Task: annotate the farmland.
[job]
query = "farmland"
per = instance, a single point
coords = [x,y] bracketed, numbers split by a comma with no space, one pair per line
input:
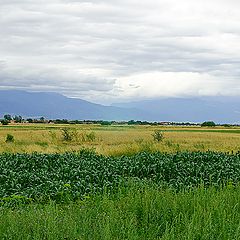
[116,182]
[118,140]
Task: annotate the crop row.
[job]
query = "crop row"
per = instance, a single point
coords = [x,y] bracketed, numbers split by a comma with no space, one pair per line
[53,176]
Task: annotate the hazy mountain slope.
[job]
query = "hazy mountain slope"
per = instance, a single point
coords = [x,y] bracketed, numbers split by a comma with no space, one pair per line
[53,105]
[219,109]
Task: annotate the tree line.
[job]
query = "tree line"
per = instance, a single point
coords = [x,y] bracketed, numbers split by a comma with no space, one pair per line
[7,118]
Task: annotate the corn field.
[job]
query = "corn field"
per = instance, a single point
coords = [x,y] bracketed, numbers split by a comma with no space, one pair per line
[42,177]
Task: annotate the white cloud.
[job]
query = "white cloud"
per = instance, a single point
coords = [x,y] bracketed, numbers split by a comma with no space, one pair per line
[114,50]
[164,84]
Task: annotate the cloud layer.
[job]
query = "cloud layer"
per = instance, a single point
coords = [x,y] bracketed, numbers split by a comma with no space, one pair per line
[108,51]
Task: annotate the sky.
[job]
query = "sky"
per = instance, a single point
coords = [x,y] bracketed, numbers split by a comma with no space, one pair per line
[109,51]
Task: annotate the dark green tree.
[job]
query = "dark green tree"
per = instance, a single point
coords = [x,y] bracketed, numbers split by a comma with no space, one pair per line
[30,120]
[18,119]
[208,124]
[4,122]
[8,117]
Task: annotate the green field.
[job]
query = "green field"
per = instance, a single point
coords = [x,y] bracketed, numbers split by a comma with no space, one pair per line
[116,182]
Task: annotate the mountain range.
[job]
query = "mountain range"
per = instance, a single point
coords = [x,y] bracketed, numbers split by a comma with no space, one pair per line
[220,109]
[57,106]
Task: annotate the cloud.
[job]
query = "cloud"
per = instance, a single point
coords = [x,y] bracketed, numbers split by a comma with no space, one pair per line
[114,50]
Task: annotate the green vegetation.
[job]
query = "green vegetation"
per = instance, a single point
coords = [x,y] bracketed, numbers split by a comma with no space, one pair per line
[4,122]
[8,117]
[141,211]
[9,138]
[208,124]
[73,175]
[128,186]
[158,135]
[68,134]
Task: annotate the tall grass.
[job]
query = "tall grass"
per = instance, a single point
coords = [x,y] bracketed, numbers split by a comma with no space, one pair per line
[141,211]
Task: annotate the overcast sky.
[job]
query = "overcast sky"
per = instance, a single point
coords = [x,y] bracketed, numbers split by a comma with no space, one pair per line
[119,50]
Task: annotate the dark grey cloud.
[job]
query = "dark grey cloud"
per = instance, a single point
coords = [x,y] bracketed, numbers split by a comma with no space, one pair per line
[109,50]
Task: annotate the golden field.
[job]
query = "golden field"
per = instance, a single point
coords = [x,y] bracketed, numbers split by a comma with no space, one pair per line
[117,139]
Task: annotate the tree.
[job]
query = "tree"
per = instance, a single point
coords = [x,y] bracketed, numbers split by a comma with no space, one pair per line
[30,120]
[131,122]
[208,124]
[105,123]
[4,122]
[42,119]
[8,117]
[18,119]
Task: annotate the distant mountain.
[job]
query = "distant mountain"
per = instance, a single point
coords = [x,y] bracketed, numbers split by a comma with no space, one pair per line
[218,109]
[54,105]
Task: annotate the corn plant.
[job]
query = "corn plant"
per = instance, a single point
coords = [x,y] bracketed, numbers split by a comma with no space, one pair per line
[72,175]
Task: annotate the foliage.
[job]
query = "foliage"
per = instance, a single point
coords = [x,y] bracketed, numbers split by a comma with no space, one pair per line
[4,122]
[9,138]
[44,176]
[158,135]
[105,123]
[7,117]
[30,120]
[68,134]
[139,211]
[208,124]
[18,119]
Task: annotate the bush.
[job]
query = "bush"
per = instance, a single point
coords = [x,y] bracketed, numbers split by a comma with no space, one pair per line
[68,135]
[9,138]
[158,135]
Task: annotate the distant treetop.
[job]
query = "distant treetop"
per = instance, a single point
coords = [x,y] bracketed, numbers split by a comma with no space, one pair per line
[208,124]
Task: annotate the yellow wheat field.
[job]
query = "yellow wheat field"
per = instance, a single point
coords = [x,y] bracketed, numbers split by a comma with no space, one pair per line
[117,140]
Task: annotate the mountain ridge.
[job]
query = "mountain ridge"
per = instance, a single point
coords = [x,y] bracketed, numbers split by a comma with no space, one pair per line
[220,109]
[53,105]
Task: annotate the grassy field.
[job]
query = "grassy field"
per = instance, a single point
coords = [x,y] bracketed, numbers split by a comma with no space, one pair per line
[138,212]
[118,140]
[185,193]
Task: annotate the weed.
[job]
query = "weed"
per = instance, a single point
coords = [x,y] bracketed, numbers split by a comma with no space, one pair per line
[68,134]
[158,135]
[90,137]
[9,138]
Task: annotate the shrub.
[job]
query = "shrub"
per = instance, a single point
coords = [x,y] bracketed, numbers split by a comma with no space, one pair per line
[9,138]
[158,135]
[68,135]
